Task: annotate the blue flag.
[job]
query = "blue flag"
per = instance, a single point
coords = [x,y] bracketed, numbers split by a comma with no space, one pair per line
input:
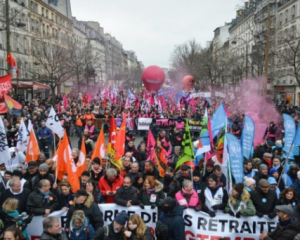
[235,155]
[218,120]
[289,132]
[297,136]
[247,136]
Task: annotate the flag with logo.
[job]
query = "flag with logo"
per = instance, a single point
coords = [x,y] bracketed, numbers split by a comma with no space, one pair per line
[4,149]
[218,120]
[54,124]
[81,164]
[186,152]
[204,140]
[12,105]
[112,135]
[120,145]
[23,136]
[99,150]
[160,159]
[33,150]
[248,136]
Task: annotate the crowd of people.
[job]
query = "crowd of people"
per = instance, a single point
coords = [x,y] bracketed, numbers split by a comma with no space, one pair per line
[31,189]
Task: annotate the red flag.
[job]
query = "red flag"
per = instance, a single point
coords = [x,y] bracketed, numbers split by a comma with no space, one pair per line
[5,84]
[112,132]
[11,61]
[99,150]
[84,99]
[33,150]
[65,102]
[89,98]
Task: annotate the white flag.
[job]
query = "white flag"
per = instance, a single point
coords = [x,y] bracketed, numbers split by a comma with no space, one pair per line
[23,137]
[4,149]
[29,127]
[54,124]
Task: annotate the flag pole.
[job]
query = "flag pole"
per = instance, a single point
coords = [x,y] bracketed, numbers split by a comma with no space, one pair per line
[286,160]
[56,170]
[3,181]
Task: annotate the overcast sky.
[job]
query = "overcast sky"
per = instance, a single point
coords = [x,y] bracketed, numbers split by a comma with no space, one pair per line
[152,28]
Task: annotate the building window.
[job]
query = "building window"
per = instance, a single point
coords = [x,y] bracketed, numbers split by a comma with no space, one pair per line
[280,19]
[42,11]
[286,15]
[293,11]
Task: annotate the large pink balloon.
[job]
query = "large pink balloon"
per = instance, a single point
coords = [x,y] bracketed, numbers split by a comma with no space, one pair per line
[153,78]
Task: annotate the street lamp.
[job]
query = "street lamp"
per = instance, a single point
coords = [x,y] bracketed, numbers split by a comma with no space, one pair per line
[234,42]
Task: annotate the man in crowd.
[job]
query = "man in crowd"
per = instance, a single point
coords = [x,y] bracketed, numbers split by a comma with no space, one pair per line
[31,171]
[52,230]
[184,174]
[45,139]
[84,178]
[262,173]
[126,195]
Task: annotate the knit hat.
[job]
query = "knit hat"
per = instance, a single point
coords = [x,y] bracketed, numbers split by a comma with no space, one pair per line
[210,163]
[169,201]
[32,164]
[272,170]
[121,218]
[262,166]
[264,183]
[287,209]
[249,181]
[96,160]
[196,173]
[78,214]
[213,177]
[257,161]
[85,173]
[272,180]
[43,167]
[298,175]
[239,187]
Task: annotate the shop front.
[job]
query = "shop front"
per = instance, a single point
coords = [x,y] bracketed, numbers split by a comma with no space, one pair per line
[28,90]
[285,93]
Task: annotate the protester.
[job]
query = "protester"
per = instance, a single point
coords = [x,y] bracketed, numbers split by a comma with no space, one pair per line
[52,230]
[137,229]
[84,201]
[288,197]
[65,196]
[250,184]
[287,228]
[184,174]
[262,173]
[239,199]
[80,228]
[13,233]
[264,199]
[126,195]
[92,189]
[296,185]
[96,170]
[84,178]
[114,230]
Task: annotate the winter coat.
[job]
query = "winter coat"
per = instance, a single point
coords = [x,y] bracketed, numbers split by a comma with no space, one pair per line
[121,197]
[284,201]
[287,232]
[91,211]
[65,201]
[188,200]
[146,236]
[36,180]
[145,198]
[177,184]
[36,203]
[296,187]
[45,134]
[297,211]
[224,203]
[22,197]
[85,232]
[108,233]
[48,236]
[175,222]
[245,198]
[264,202]
[104,186]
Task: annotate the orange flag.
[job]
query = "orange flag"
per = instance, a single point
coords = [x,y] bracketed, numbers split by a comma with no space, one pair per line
[99,150]
[160,158]
[73,177]
[120,144]
[33,150]
[81,164]
[60,156]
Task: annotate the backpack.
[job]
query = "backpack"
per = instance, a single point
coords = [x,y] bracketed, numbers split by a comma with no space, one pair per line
[162,230]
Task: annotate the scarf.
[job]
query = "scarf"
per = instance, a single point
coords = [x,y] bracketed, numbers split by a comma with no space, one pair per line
[150,190]
[285,223]
[46,195]
[78,230]
[276,167]
[16,214]
[96,172]
[186,193]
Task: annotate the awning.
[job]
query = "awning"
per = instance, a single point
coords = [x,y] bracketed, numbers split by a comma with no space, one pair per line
[33,85]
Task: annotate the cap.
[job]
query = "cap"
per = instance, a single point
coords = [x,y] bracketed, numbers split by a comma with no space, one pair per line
[262,166]
[210,163]
[185,167]
[272,180]
[32,164]
[288,209]
[249,181]
[264,183]
[80,192]
[96,160]
[121,218]
[44,167]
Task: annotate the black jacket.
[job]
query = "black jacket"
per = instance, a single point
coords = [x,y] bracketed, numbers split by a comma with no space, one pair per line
[177,184]
[285,232]
[48,236]
[22,197]
[121,197]
[36,204]
[146,236]
[91,211]
[107,233]
[264,202]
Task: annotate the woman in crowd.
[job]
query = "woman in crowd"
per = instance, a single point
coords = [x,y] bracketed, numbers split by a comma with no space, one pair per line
[138,182]
[10,216]
[137,229]
[288,197]
[239,199]
[151,193]
[188,197]
[13,233]
[80,228]
[65,197]
[92,189]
